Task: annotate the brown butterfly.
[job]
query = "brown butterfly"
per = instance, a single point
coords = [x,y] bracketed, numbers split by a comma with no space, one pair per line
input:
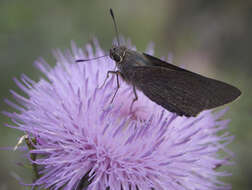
[175,89]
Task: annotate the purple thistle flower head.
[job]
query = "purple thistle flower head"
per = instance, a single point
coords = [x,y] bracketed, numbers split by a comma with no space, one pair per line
[79,134]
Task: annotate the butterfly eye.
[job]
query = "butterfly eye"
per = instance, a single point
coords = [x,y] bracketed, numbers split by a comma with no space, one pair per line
[116,57]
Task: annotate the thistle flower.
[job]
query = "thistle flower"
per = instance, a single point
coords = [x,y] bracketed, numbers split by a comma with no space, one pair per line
[80,136]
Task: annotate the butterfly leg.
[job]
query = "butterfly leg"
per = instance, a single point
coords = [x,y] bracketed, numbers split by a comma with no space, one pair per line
[107,76]
[117,81]
[117,73]
[135,99]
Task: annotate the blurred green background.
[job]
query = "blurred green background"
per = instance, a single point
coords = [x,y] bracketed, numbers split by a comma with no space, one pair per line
[210,37]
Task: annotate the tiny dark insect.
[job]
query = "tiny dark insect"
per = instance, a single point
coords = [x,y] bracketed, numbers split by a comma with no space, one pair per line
[175,89]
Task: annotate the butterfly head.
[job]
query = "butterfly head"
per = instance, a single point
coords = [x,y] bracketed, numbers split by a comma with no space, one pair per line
[117,53]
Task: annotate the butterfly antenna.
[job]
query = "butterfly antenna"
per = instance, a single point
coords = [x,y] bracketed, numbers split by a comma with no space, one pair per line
[116,29]
[83,60]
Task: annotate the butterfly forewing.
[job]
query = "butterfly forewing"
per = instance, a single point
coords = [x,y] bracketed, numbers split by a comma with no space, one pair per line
[182,91]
